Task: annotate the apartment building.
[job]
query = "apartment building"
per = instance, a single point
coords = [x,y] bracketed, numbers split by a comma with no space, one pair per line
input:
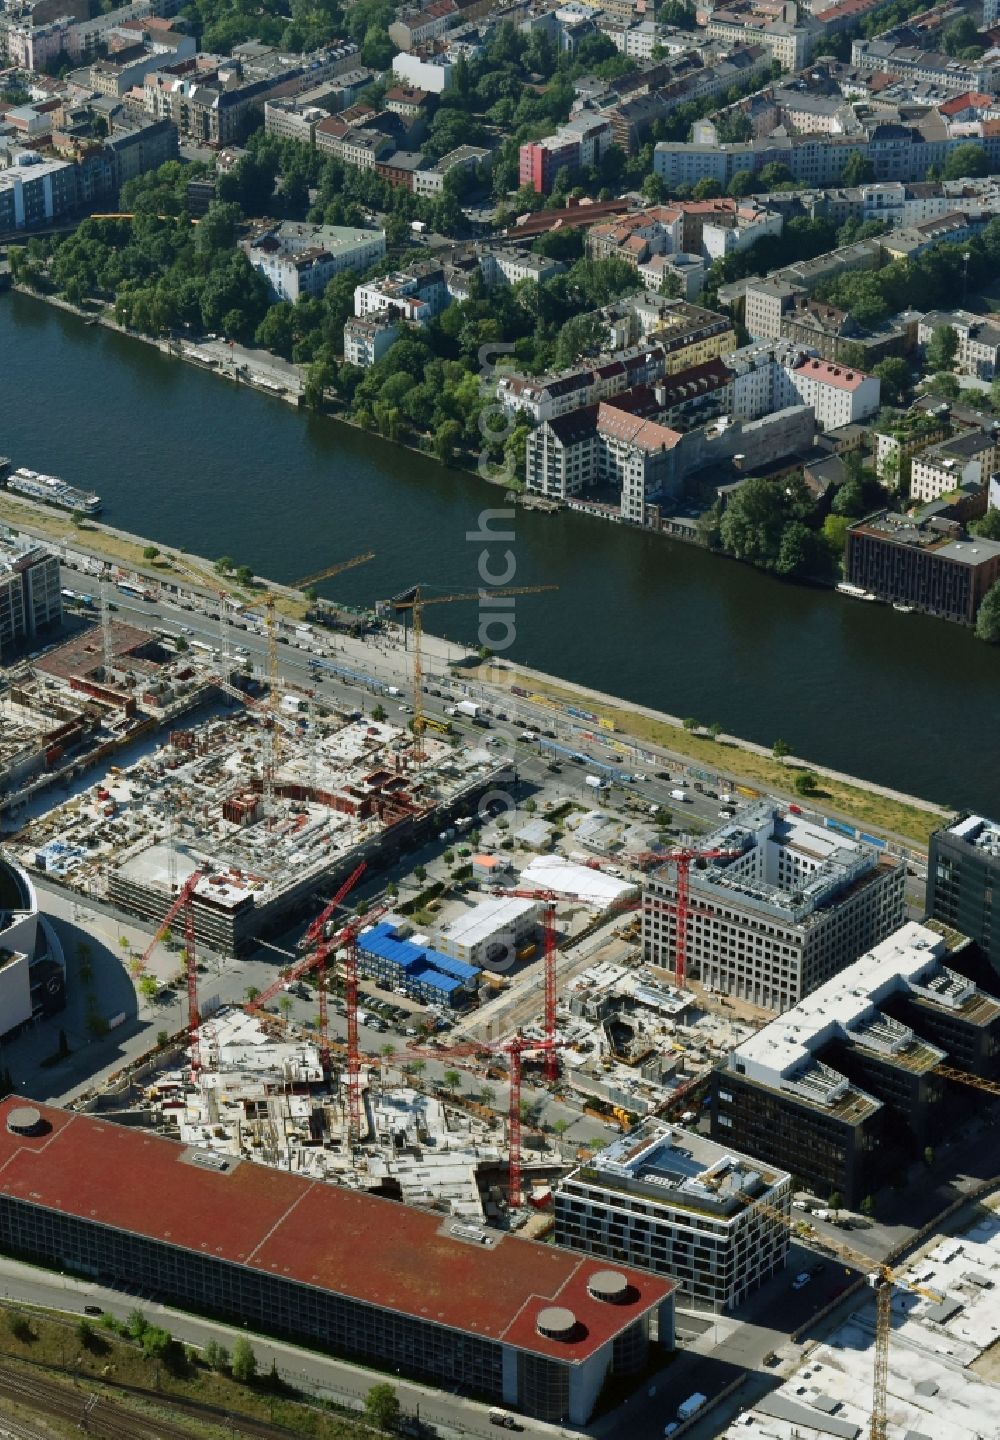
[978,337]
[691,335]
[785,907]
[34,190]
[842,1089]
[930,565]
[907,62]
[502,265]
[963,460]
[680,1205]
[577,144]
[430,181]
[838,396]
[216,107]
[787,43]
[963,881]
[298,259]
[547,397]
[602,445]
[417,294]
[367,338]
[30,593]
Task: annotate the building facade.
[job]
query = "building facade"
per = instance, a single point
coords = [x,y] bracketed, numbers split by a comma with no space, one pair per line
[787,905]
[932,566]
[30,594]
[843,1089]
[523,1324]
[682,1206]
[963,881]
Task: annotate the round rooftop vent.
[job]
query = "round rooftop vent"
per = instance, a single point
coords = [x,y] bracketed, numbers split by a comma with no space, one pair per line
[611,1286]
[555,1322]
[25,1120]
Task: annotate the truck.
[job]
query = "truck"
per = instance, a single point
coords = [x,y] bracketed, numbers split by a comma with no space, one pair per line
[469,708]
[594,781]
[688,1407]
[680,795]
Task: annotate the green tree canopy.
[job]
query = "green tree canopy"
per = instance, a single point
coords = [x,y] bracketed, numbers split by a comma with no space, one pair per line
[988,618]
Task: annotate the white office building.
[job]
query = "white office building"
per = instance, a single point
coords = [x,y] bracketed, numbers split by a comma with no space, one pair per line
[683,1206]
[786,906]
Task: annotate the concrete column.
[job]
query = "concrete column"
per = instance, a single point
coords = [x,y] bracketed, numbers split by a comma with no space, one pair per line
[585,1383]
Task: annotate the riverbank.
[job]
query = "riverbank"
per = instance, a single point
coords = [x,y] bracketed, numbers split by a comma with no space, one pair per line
[903,818]
[898,816]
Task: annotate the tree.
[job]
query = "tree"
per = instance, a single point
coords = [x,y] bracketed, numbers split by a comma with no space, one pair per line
[85,1332]
[989,526]
[945,385]
[780,749]
[988,619]
[156,1342]
[19,1326]
[805,784]
[942,348]
[560,1126]
[706,189]
[962,36]
[148,987]
[244,1362]
[382,1407]
[858,170]
[136,1324]
[868,1206]
[216,1356]
[252,991]
[224,564]
[150,552]
[244,575]
[835,1201]
[968,161]
[420,871]
[379,714]
[285,1005]
[690,723]
[162,1036]
[894,375]
[452,1079]
[928,1155]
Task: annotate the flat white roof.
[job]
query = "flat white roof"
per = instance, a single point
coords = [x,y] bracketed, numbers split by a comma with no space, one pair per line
[593,887]
[789,1040]
[486,919]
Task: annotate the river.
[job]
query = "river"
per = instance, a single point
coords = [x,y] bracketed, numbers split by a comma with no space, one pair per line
[191,461]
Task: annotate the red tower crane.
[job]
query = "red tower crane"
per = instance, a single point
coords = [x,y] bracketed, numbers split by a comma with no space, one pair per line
[515,1048]
[683,859]
[549,950]
[183,902]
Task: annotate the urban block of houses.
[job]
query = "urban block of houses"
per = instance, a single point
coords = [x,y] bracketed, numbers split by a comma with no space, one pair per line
[299,259]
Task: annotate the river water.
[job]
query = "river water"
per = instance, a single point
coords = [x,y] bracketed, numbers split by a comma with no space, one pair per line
[189,460]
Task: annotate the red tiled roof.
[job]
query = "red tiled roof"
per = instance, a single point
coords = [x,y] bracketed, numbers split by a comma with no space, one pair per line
[362,1246]
[972,99]
[837,375]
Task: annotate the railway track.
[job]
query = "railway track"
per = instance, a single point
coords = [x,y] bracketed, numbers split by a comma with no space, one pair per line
[87,1410]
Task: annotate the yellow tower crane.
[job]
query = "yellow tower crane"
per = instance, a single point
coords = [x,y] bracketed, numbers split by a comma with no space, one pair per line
[882,1278]
[417,603]
[272,664]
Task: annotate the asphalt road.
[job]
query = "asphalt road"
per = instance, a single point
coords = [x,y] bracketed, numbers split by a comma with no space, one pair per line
[306,1369]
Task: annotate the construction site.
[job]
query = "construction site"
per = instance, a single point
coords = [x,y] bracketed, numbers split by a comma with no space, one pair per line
[341,790]
[922,1360]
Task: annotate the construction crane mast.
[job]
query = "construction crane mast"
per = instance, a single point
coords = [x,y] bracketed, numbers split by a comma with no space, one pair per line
[273,678]
[515,1049]
[683,860]
[183,901]
[416,604]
